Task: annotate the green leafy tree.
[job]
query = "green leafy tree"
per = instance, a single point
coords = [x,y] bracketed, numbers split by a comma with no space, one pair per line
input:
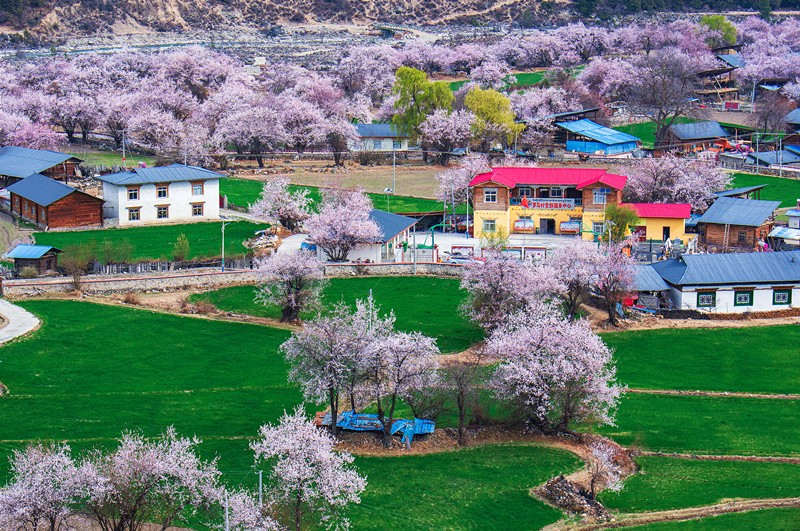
[181,249]
[721,24]
[619,220]
[494,118]
[416,98]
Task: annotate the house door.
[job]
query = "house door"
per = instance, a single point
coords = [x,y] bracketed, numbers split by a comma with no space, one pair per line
[664,233]
[547,226]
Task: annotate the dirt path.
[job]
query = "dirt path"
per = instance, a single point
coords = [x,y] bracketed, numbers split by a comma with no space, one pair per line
[690,513]
[715,394]
[748,458]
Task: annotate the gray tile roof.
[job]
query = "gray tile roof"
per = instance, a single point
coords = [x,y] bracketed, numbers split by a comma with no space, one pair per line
[735,211]
[160,174]
[739,191]
[390,224]
[24,250]
[698,131]
[731,268]
[733,59]
[41,190]
[378,131]
[21,162]
[793,117]
[783,156]
[647,279]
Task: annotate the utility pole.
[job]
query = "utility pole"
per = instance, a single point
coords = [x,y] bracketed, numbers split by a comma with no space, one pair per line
[223,244]
[394,171]
[227,519]
[414,243]
[260,487]
[123,148]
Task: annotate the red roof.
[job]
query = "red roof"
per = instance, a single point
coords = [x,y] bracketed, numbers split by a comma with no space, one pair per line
[578,177]
[661,210]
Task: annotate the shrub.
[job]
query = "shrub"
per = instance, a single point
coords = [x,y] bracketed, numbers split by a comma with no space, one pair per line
[131,298]
[75,261]
[28,272]
[181,249]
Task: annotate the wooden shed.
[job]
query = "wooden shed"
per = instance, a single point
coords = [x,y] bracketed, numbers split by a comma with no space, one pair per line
[43,258]
[17,163]
[51,204]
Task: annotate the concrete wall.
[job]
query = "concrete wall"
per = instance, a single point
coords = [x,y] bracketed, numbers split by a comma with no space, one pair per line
[204,278]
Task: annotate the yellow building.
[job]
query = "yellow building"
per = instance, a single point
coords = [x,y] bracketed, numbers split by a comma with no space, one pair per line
[544,200]
[661,221]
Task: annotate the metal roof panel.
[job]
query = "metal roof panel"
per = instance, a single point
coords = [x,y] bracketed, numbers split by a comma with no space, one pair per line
[390,224]
[698,130]
[735,211]
[20,162]
[160,174]
[24,250]
[41,190]
[731,268]
[597,132]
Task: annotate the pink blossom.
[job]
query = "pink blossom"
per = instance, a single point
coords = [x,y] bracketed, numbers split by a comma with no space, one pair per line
[342,223]
[244,513]
[492,74]
[603,468]
[574,265]
[454,182]
[445,130]
[278,203]
[613,277]
[291,281]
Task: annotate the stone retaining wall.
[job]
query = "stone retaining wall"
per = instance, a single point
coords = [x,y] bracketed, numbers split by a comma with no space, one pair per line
[202,278]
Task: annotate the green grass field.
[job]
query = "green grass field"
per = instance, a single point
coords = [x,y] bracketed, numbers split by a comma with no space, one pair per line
[112,159]
[92,371]
[773,519]
[701,425]
[646,131]
[479,488]
[688,483]
[157,241]
[760,359]
[429,305]
[243,192]
[782,189]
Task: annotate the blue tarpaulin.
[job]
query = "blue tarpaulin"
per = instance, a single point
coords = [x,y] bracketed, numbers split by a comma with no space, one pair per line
[352,421]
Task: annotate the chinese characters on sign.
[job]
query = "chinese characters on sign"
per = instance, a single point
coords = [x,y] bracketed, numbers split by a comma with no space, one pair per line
[553,204]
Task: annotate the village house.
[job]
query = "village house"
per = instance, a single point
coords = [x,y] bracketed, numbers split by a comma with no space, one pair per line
[16,163]
[592,139]
[695,136]
[379,137]
[732,223]
[50,204]
[163,194]
[787,237]
[744,192]
[395,232]
[42,258]
[660,221]
[733,282]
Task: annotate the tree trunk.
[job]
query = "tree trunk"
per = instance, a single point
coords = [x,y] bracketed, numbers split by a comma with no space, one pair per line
[298,514]
[461,401]
[334,402]
[260,161]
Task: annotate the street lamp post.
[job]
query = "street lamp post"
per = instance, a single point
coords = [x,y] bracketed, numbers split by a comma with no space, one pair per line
[222,228]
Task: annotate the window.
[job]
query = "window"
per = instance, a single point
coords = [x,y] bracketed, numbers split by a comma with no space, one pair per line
[134,214]
[197,209]
[525,191]
[396,144]
[162,212]
[489,225]
[598,227]
[556,192]
[599,195]
[161,190]
[377,145]
[742,237]
[743,298]
[197,188]
[133,194]
[706,299]
[490,195]
[782,296]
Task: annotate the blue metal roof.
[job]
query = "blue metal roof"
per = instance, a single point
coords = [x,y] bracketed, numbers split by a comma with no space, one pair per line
[41,190]
[21,162]
[793,148]
[646,279]
[698,131]
[732,59]
[739,191]
[378,131]
[785,233]
[735,211]
[390,224]
[731,268]
[782,156]
[160,174]
[24,250]
[793,117]
[597,132]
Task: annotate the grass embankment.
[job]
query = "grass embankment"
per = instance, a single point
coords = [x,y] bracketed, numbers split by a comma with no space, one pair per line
[761,359]
[429,305]
[112,159]
[157,241]
[646,131]
[689,483]
[478,488]
[92,371]
[782,189]
[243,192]
[772,519]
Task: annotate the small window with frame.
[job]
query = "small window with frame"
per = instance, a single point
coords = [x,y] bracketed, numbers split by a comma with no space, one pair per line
[782,297]
[600,196]
[133,193]
[162,191]
[197,188]
[706,299]
[742,237]
[556,192]
[743,298]
[490,195]
[197,209]
[162,212]
[134,214]
[489,225]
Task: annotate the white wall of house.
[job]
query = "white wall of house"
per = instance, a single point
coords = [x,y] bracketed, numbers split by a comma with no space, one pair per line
[380,144]
[686,299]
[370,252]
[182,202]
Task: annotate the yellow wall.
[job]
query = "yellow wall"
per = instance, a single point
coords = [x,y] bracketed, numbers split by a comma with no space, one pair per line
[500,217]
[654,226]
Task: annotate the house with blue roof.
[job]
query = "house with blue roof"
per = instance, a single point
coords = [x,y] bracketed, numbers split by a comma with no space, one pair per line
[734,223]
[51,204]
[695,136]
[16,163]
[42,258]
[163,194]
[379,137]
[590,138]
[733,282]
[395,232]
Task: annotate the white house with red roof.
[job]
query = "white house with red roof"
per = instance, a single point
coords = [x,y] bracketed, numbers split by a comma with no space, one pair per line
[544,200]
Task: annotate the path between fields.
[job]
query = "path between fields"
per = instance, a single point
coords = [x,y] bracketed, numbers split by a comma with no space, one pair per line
[18,321]
[673,515]
[715,394]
